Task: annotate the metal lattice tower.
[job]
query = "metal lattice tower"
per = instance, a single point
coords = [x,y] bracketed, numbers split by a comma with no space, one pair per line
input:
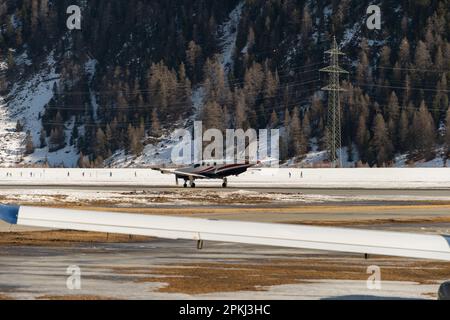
[334,139]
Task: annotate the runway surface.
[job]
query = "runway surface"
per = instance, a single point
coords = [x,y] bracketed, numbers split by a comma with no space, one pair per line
[163,269]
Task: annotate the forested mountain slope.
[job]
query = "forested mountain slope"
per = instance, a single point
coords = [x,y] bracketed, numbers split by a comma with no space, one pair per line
[110,93]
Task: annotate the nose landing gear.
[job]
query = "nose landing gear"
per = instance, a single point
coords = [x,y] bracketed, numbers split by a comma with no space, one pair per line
[225,183]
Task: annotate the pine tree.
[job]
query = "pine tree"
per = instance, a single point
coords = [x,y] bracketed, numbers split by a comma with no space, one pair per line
[403,132]
[447,134]
[240,114]
[363,138]
[306,22]
[43,139]
[83,161]
[381,145]
[74,135]
[253,86]
[422,57]
[193,55]
[19,126]
[135,140]
[404,54]
[213,117]
[284,145]
[298,143]
[100,143]
[155,127]
[273,122]
[57,139]
[423,132]
[306,126]
[29,146]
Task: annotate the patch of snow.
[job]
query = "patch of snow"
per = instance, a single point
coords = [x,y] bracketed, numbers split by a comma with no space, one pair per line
[401,162]
[328,11]
[15,22]
[66,157]
[3,66]
[90,68]
[25,103]
[159,154]
[228,34]
[27,100]
[351,33]
[198,97]
[376,43]
[23,59]
[364,178]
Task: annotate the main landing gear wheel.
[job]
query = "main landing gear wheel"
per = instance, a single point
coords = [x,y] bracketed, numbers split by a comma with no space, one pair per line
[192,184]
[185,184]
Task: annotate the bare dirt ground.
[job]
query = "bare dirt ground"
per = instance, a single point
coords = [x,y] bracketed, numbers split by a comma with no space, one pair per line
[75,298]
[63,238]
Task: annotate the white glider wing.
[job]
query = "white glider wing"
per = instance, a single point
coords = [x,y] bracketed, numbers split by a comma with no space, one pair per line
[433,247]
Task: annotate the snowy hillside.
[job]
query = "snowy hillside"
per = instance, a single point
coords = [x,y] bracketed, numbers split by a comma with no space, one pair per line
[160,153]
[25,104]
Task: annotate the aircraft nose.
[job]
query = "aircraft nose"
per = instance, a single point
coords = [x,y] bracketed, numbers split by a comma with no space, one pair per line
[9,214]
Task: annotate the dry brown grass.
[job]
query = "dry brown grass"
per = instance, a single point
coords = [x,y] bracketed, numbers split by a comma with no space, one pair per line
[258,275]
[63,238]
[193,210]
[75,298]
[372,222]
[5,297]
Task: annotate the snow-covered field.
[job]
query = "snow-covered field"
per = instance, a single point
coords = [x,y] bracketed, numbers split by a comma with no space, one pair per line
[389,178]
[201,197]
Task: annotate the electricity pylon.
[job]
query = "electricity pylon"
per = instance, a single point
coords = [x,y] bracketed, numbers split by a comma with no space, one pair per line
[334,138]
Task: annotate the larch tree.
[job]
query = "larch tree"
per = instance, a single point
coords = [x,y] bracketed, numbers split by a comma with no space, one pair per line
[423,132]
[381,145]
[447,135]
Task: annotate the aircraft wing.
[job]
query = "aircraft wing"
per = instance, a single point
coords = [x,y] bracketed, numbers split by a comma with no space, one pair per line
[180,173]
[433,247]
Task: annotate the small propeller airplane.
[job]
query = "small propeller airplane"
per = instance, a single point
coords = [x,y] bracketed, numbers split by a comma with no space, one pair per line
[208,169]
[330,239]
